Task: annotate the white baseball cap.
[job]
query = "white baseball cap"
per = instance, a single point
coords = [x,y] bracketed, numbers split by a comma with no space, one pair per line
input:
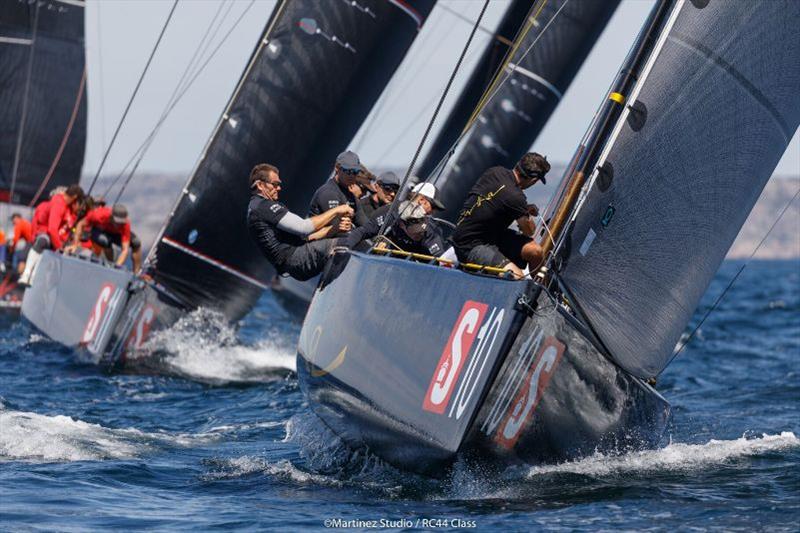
[429,191]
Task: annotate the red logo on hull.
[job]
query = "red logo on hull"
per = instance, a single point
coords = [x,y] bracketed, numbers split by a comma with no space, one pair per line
[454,356]
[99,309]
[142,327]
[527,399]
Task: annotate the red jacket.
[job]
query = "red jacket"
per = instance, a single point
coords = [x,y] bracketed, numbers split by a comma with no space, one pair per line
[22,230]
[49,217]
[100,217]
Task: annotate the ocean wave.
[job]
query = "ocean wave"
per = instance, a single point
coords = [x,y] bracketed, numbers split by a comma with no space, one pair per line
[675,457]
[27,436]
[202,346]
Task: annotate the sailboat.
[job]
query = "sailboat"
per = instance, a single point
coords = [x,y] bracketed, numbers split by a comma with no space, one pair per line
[443,364]
[43,115]
[315,73]
[539,46]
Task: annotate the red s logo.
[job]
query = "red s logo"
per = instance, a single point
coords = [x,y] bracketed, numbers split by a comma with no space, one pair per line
[98,311]
[142,328]
[454,356]
[531,392]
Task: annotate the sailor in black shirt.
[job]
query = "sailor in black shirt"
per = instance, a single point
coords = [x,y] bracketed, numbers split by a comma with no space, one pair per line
[296,246]
[341,189]
[482,233]
[386,187]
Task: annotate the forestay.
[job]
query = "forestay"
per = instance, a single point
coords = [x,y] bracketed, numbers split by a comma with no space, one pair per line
[703,130]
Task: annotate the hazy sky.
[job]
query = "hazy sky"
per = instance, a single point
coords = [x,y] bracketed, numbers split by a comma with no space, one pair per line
[121,33]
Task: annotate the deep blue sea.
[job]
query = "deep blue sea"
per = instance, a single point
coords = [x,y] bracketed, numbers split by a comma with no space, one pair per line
[226,440]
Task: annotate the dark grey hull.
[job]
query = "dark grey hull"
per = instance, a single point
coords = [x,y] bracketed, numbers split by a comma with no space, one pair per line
[437,364]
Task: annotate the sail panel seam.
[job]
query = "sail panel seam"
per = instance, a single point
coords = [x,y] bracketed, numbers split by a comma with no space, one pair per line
[16,40]
[214,262]
[696,46]
[535,77]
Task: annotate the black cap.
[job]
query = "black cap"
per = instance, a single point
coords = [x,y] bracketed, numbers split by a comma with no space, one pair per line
[349,161]
[389,178]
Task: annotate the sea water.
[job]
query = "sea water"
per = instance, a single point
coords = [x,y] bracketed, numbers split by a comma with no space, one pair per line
[218,435]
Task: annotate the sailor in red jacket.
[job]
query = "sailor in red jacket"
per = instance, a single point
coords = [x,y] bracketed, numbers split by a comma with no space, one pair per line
[50,219]
[109,226]
[23,231]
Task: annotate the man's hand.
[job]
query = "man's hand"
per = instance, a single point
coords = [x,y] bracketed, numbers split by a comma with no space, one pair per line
[345,224]
[344,210]
[533,210]
[355,190]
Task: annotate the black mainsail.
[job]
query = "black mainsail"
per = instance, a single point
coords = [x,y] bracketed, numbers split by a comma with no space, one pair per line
[312,79]
[700,136]
[43,95]
[559,34]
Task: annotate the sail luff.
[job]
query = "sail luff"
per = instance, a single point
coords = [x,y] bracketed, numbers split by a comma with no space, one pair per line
[701,134]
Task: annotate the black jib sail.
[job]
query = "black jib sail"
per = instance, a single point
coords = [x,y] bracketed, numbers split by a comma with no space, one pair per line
[311,81]
[43,95]
[508,125]
[702,131]
[491,60]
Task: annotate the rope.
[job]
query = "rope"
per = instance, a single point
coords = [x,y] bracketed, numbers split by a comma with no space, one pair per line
[493,92]
[151,137]
[393,209]
[732,281]
[133,96]
[21,133]
[189,66]
[75,107]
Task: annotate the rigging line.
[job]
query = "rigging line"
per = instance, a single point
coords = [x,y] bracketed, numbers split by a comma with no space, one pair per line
[183,92]
[484,29]
[21,132]
[508,73]
[393,208]
[732,281]
[133,96]
[189,67]
[75,107]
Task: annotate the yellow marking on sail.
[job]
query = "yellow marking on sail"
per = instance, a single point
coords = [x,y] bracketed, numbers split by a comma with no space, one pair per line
[618,98]
[332,366]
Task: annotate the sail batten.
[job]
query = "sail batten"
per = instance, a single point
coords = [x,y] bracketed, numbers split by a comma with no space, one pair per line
[702,131]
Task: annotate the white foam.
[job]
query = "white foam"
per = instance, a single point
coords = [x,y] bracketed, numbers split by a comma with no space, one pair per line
[675,457]
[283,469]
[35,437]
[204,347]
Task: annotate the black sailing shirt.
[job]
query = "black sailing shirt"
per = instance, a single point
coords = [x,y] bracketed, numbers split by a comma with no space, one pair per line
[493,203]
[262,220]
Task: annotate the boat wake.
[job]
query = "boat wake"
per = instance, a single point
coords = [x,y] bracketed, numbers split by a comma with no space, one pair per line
[676,457]
[203,347]
[27,436]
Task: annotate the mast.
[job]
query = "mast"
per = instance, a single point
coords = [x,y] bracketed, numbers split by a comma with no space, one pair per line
[548,53]
[599,130]
[43,95]
[316,72]
[673,177]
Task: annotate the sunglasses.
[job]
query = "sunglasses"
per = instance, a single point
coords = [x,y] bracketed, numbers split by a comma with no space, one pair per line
[350,171]
[390,188]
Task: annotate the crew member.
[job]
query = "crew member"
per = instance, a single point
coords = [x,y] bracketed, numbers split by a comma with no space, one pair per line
[109,226]
[294,245]
[341,189]
[23,230]
[373,205]
[482,233]
[51,219]
[427,195]
[414,231]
